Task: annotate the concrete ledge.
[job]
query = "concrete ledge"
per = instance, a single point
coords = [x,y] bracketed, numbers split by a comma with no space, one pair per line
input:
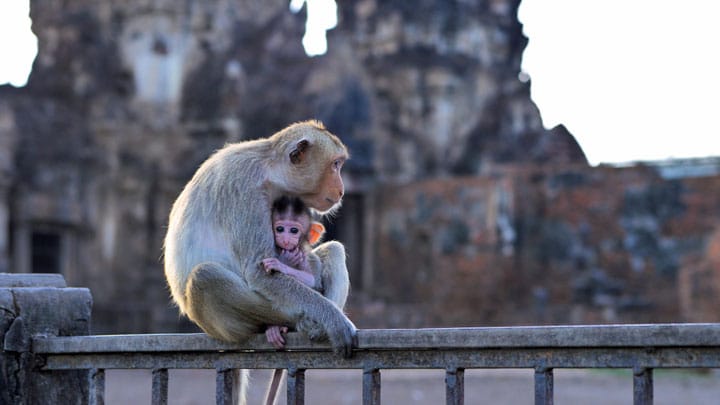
[17,280]
[40,305]
[585,336]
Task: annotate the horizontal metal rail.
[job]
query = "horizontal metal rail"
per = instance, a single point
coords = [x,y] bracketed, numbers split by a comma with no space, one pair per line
[641,348]
[645,335]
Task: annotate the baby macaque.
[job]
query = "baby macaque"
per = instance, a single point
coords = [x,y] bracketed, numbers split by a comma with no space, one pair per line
[294,233]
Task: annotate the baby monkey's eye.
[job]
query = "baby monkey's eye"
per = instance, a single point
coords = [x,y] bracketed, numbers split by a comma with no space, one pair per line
[294,230]
[279,229]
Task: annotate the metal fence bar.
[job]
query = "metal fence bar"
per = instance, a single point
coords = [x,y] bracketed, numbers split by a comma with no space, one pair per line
[296,386]
[543,386]
[455,386]
[515,337]
[227,386]
[589,357]
[160,386]
[371,386]
[642,386]
[97,387]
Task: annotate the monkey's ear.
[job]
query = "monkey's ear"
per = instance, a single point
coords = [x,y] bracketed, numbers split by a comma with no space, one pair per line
[298,154]
[316,232]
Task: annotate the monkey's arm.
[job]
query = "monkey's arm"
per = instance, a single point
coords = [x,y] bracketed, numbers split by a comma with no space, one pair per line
[272,263]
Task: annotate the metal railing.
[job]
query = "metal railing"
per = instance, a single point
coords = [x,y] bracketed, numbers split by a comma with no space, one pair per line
[641,348]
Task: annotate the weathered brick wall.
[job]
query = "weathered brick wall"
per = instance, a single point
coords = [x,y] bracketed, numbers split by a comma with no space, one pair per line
[127,98]
[564,245]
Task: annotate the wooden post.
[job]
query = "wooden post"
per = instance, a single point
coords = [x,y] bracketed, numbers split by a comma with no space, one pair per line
[40,305]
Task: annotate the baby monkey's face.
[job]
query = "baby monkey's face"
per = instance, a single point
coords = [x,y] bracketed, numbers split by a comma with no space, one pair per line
[288,233]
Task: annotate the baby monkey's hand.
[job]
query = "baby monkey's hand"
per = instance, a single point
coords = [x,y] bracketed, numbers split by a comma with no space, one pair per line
[272,263]
[294,258]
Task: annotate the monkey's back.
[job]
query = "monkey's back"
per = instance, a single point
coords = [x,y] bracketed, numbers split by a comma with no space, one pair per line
[210,219]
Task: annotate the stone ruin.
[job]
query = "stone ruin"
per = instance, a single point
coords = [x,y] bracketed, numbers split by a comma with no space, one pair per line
[461,208]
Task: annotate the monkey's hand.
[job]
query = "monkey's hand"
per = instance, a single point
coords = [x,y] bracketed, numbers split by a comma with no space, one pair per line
[272,263]
[340,331]
[343,337]
[294,258]
[274,335]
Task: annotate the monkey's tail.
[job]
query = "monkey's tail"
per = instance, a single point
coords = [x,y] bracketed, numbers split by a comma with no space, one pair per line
[241,380]
[271,395]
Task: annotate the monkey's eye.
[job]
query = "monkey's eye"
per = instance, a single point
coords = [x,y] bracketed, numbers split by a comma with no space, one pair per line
[337,164]
[294,230]
[279,229]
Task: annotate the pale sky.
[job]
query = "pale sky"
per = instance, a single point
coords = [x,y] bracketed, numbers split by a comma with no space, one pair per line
[18,45]
[631,79]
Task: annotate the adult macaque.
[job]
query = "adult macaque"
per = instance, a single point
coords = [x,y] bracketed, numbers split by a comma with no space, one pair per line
[294,233]
[219,233]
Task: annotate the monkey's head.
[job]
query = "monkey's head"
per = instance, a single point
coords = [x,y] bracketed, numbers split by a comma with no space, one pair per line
[292,223]
[310,165]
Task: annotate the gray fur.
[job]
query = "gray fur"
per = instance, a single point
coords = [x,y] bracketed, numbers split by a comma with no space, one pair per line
[220,229]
